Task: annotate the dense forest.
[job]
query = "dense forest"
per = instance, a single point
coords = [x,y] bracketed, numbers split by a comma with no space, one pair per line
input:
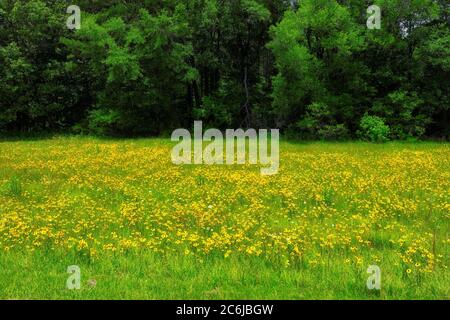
[309,67]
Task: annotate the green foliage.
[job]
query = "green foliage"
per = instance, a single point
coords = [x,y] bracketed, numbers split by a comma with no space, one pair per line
[103,121]
[374,129]
[146,67]
[137,69]
[34,91]
[313,49]
[319,123]
[325,56]
[333,132]
[14,187]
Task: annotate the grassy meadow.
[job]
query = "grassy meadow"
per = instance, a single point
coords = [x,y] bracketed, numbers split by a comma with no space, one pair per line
[140,227]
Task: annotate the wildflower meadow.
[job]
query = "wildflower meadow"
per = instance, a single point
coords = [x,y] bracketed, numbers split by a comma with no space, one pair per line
[140,227]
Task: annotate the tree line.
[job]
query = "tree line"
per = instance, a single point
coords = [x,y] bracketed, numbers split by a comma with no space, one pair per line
[309,67]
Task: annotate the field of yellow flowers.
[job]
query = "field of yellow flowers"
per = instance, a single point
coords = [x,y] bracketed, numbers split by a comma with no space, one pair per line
[141,227]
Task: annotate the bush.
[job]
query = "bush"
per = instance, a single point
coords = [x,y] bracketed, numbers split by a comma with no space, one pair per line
[319,123]
[334,132]
[373,129]
[103,122]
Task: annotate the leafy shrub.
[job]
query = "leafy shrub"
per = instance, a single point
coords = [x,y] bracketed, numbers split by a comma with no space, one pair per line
[319,123]
[374,129]
[215,111]
[103,121]
[317,117]
[333,132]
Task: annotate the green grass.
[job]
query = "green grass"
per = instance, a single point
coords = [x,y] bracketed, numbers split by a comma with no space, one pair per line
[150,276]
